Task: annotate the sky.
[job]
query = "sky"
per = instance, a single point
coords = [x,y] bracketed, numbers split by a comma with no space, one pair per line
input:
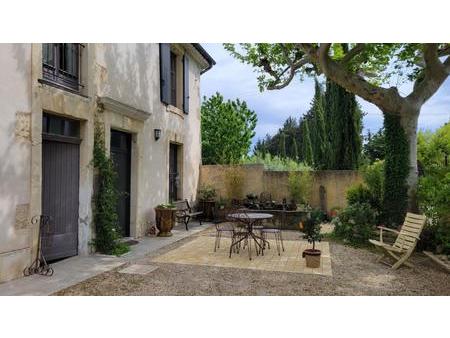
[234,79]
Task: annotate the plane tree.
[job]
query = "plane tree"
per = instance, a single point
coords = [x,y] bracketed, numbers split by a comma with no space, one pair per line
[366,70]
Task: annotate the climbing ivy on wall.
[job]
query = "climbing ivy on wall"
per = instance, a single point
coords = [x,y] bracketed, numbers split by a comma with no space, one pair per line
[395,201]
[107,233]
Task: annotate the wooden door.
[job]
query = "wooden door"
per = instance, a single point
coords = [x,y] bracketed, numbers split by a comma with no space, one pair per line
[60,187]
[121,155]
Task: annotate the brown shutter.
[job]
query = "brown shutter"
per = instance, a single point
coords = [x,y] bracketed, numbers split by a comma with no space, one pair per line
[164,69]
[186,84]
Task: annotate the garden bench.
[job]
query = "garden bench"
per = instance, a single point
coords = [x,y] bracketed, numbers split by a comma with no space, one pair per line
[184,213]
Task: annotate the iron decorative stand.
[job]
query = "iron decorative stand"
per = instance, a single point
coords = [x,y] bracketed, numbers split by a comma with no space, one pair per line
[40,265]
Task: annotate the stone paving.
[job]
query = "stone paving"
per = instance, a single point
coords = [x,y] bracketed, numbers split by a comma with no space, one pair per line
[77,269]
[200,251]
[139,269]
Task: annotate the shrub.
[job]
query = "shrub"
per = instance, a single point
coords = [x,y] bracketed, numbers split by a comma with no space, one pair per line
[107,232]
[373,176]
[359,193]
[275,163]
[434,202]
[318,216]
[300,185]
[356,224]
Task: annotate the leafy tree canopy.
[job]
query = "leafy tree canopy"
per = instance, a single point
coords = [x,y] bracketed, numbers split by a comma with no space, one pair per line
[375,147]
[227,129]
[278,63]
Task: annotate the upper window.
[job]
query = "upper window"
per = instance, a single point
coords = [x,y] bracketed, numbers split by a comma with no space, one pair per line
[61,64]
[174,72]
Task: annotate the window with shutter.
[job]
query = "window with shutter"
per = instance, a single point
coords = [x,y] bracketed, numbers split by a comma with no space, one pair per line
[186,84]
[173,79]
[60,64]
[174,68]
[164,65]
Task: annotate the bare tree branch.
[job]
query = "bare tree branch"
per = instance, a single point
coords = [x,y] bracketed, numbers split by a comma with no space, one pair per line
[294,65]
[279,84]
[447,65]
[444,51]
[386,99]
[359,47]
[434,74]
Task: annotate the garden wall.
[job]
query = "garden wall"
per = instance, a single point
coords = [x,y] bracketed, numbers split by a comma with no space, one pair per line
[256,180]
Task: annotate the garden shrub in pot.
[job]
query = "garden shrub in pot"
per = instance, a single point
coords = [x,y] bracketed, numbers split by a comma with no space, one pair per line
[311,228]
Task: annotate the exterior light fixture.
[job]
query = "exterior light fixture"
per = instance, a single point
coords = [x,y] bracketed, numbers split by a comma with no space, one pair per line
[157,134]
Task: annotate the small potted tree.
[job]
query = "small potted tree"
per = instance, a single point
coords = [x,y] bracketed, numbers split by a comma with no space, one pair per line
[165,219]
[311,228]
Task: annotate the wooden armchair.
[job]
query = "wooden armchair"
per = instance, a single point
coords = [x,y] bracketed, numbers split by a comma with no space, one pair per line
[406,241]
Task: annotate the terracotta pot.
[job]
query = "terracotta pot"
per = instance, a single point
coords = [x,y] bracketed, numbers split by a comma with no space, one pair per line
[165,220]
[312,258]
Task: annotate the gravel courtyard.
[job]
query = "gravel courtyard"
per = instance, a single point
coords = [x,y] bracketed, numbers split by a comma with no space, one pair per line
[355,272]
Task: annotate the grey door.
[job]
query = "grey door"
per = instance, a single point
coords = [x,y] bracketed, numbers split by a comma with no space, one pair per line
[121,155]
[60,187]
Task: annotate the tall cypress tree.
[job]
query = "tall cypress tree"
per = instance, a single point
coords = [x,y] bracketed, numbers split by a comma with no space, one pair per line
[283,146]
[344,121]
[307,146]
[294,154]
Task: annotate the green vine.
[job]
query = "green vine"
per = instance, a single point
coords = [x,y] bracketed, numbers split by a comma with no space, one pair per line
[107,232]
[395,201]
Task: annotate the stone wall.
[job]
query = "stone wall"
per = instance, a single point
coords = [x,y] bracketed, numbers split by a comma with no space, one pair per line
[256,180]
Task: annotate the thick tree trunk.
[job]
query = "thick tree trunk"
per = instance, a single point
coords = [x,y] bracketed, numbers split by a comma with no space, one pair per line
[409,124]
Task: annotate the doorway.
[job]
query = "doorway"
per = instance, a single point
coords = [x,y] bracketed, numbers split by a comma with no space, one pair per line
[174,174]
[60,186]
[121,156]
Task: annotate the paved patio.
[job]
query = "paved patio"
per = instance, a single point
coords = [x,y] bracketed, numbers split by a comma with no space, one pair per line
[77,269]
[200,251]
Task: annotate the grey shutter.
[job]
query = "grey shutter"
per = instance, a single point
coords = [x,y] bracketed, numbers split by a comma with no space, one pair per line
[186,84]
[164,70]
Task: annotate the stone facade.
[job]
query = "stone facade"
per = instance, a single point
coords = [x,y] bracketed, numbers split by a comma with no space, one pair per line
[120,85]
[257,180]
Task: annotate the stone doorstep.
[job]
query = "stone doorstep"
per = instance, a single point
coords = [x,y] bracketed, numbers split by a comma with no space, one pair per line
[139,269]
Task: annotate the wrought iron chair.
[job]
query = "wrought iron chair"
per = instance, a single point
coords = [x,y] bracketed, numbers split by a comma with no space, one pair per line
[276,231]
[223,225]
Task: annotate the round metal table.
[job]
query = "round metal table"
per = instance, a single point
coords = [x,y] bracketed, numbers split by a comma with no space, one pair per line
[249,220]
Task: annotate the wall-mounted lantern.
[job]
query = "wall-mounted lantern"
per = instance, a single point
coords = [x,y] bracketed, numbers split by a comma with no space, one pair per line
[157,134]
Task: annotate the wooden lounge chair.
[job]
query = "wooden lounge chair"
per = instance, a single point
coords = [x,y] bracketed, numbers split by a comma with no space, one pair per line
[406,241]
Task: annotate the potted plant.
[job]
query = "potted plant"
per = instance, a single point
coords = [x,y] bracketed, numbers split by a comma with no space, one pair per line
[334,212]
[311,228]
[207,196]
[165,219]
